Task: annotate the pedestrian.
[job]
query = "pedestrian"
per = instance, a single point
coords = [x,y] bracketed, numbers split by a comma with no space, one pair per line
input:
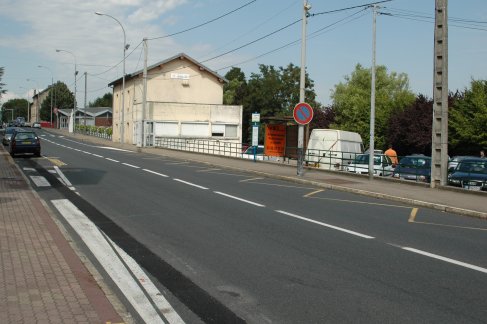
[482,154]
[391,153]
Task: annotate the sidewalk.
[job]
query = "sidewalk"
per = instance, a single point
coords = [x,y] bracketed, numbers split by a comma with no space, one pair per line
[42,279]
[448,199]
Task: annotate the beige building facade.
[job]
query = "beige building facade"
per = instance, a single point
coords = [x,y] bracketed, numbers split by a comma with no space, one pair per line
[184,99]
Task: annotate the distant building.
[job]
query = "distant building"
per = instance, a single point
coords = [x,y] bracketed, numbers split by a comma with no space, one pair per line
[92,116]
[184,100]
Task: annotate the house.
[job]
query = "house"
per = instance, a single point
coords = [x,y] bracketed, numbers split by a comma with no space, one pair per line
[184,100]
[35,106]
[91,116]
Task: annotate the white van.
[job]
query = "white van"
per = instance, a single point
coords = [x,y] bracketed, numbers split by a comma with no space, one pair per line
[332,149]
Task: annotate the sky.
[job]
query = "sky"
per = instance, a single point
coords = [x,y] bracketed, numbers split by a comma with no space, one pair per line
[249,33]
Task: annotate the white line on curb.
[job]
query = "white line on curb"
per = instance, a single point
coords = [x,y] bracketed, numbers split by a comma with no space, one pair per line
[326,225]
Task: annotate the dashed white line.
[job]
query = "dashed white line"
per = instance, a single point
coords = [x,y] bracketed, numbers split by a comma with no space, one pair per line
[240,199]
[439,257]
[325,225]
[156,173]
[112,160]
[100,156]
[131,165]
[191,184]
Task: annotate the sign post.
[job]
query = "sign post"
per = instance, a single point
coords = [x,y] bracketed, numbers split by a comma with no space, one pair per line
[255,132]
[303,114]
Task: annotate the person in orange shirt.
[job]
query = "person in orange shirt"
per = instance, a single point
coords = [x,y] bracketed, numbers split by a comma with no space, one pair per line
[392,154]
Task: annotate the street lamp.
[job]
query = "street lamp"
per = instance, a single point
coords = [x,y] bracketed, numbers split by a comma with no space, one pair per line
[125,47]
[52,86]
[75,73]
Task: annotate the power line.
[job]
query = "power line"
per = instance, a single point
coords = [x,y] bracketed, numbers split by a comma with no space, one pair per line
[205,23]
[349,8]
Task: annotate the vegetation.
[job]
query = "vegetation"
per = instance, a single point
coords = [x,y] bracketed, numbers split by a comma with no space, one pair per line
[2,90]
[19,109]
[62,98]
[105,101]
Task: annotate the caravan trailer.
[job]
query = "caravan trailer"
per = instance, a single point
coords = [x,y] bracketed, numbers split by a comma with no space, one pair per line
[332,149]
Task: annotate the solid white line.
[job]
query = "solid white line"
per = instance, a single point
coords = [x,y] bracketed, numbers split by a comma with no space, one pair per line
[326,225]
[105,255]
[132,166]
[65,180]
[112,160]
[241,199]
[157,173]
[439,257]
[97,155]
[156,296]
[191,184]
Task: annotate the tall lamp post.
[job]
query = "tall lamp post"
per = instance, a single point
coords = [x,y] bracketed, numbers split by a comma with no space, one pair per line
[75,73]
[52,87]
[125,47]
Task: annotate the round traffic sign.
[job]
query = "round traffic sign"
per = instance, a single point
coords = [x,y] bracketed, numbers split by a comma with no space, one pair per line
[303,113]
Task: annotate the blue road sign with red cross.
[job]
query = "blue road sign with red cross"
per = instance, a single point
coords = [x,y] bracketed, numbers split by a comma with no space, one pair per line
[303,113]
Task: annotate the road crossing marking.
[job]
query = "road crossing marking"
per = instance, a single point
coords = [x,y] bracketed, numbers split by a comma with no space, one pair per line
[40,181]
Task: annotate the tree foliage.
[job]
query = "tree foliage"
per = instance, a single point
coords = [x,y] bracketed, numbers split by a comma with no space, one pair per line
[351,102]
[62,98]
[105,101]
[2,90]
[468,119]
[19,107]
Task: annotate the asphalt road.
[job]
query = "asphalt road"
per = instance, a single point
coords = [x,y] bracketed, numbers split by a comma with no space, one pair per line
[233,247]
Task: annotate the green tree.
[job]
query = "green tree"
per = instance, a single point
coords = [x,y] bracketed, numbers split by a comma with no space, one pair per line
[62,99]
[19,107]
[2,90]
[105,101]
[235,90]
[351,102]
[468,119]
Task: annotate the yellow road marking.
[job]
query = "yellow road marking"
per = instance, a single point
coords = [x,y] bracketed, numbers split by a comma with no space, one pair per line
[55,161]
[412,216]
[251,179]
[313,193]
[208,170]
[359,202]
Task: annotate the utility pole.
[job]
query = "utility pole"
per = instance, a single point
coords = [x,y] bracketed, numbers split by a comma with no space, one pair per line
[302,85]
[439,143]
[86,83]
[372,96]
[144,95]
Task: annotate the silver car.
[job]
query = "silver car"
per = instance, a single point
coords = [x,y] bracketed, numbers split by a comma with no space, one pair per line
[9,131]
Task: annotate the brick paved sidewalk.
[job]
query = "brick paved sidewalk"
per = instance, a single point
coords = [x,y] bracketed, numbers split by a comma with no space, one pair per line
[42,280]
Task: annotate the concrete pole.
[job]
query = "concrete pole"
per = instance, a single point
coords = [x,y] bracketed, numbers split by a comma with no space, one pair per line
[372,96]
[144,95]
[302,85]
[86,83]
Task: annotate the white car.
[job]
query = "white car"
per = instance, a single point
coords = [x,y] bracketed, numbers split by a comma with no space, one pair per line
[36,125]
[249,153]
[382,165]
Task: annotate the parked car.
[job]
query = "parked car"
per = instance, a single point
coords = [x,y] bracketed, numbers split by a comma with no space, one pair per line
[249,153]
[470,174]
[382,165]
[414,167]
[36,125]
[25,142]
[452,164]
[8,134]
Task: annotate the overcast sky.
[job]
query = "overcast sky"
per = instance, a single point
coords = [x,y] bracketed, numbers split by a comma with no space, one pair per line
[33,30]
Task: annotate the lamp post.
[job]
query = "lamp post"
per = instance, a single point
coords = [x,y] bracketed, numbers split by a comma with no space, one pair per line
[125,46]
[75,73]
[52,86]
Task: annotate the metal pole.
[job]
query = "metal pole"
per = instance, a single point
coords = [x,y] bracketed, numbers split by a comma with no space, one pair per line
[302,85]
[372,96]
[144,94]
[86,82]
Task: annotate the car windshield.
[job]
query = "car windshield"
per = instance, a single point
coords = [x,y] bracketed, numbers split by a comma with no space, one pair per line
[364,159]
[9,130]
[250,150]
[25,136]
[473,167]
[415,162]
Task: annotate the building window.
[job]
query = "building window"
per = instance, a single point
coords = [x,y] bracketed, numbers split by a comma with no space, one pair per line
[220,130]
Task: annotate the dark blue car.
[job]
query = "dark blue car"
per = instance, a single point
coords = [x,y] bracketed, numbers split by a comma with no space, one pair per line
[23,142]
[414,167]
[470,174]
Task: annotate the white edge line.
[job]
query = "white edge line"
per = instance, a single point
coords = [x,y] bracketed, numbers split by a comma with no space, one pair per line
[439,257]
[240,199]
[131,165]
[112,160]
[65,180]
[157,173]
[103,252]
[191,184]
[326,225]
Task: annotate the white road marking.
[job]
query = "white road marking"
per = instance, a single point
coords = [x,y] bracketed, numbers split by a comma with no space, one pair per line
[40,181]
[156,173]
[63,177]
[132,166]
[439,257]
[191,184]
[98,155]
[326,225]
[112,160]
[240,199]
[29,169]
[113,149]
[105,255]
